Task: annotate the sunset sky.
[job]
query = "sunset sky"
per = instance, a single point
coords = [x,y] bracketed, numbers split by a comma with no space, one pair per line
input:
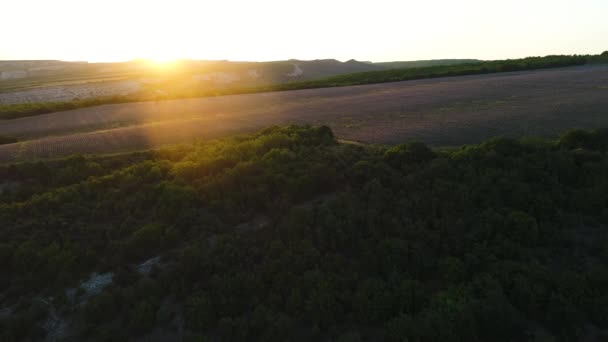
[380,30]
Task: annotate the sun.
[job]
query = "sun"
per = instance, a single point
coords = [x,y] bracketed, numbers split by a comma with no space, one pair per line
[162,63]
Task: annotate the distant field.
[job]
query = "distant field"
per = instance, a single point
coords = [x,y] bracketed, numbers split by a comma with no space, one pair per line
[42,100]
[70,91]
[442,111]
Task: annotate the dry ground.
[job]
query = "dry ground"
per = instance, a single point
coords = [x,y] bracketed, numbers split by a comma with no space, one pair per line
[445,111]
[71,91]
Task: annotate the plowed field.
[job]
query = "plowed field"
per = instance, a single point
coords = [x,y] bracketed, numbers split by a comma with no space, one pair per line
[440,112]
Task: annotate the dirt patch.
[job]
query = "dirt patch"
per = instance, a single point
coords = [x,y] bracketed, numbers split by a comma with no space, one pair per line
[71,92]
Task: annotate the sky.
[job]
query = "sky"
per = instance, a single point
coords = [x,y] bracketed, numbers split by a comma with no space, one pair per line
[262,30]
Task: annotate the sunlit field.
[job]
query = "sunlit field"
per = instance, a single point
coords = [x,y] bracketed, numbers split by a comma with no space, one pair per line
[442,112]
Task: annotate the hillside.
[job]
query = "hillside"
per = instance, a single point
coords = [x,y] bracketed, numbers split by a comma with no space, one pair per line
[141,81]
[21,81]
[442,70]
[287,234]
[21,75]
[46,81]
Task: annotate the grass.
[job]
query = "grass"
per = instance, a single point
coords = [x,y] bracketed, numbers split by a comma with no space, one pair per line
[13,111]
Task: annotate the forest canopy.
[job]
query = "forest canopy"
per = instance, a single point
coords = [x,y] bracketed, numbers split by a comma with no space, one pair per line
[287,234]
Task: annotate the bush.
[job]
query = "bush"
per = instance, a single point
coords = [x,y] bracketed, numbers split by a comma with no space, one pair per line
[592,140]
[402,155]
[142,317]
[101,308]
[7,140]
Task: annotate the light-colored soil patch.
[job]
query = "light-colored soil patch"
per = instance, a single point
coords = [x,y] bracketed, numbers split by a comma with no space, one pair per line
[71,92]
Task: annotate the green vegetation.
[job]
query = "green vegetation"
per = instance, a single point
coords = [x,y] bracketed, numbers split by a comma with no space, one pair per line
[15,111]
[395,75]
[370,77]
[424,63]
[288,235]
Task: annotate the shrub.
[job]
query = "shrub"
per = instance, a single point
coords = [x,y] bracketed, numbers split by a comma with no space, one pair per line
[592,140]
[414,152]
[7,140]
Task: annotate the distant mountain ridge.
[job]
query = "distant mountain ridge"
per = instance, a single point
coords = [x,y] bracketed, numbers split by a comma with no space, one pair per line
[31,81]
[219,71]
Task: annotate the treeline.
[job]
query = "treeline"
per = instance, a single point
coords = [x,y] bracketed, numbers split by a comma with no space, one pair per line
[13,111]
[288,235]
[7,140]
[395,75]
[20,110]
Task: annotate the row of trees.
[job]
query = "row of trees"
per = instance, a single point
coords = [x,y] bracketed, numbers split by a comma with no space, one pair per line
[476,68]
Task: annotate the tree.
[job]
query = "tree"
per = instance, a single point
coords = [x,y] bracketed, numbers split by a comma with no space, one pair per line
[402,155]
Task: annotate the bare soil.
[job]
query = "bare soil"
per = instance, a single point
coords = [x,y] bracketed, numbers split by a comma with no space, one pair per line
[69,92]
[440,112]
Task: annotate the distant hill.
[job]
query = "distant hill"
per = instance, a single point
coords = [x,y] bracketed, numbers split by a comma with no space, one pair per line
[44,81]
[15,75]
[39,87]
[322,67]
[277,71]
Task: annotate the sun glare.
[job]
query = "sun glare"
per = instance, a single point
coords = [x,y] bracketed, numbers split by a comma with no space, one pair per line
[162,63]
